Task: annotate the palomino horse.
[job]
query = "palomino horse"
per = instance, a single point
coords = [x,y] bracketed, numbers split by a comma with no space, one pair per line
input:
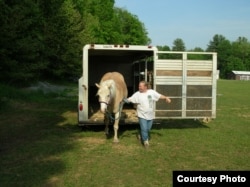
[112,90]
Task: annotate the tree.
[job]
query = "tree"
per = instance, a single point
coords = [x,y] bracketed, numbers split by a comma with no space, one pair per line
[178,45]
[20,41]
[63,33]
[164,48]
[241,50]
[44,38]
[132,31]
[234,63]
[197,49]
[198,56]
[223,48]
[103,11]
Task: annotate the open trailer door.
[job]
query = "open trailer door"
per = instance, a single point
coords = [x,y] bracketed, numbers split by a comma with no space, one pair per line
[189,79]
[143,70]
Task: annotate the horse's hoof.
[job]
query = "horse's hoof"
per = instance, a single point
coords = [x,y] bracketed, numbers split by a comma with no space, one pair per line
[116,141]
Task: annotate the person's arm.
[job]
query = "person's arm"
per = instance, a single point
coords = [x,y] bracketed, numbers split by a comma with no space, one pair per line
[131,99]
[126,100]
[168,100]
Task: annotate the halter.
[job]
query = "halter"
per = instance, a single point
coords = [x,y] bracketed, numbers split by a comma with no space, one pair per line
[104,102]
[107,103]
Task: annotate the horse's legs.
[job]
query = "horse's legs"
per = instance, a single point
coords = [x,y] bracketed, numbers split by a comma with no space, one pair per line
[116,127]
[106,122]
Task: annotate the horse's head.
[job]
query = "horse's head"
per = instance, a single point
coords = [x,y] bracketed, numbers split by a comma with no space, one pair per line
[105,94]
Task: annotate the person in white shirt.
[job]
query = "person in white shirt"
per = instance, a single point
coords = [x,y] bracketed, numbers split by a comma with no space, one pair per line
[144,99]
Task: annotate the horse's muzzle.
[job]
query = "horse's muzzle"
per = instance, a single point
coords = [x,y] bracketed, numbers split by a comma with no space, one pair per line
[103,102]
[103,106]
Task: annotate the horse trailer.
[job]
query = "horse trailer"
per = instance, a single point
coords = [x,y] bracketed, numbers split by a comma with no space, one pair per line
[188,78]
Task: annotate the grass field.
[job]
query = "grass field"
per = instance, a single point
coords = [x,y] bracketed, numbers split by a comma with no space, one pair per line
[41,144]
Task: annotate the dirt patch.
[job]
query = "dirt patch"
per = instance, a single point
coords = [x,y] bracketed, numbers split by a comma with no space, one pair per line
[91,143]
[127,116]
[244,115]
[123,149]
[94,141]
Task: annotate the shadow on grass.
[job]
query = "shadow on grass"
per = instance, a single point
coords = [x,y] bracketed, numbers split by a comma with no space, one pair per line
[164,124]
[33,137]
[180,124]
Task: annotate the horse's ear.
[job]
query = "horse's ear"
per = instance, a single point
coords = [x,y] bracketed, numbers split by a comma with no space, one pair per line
[97,85]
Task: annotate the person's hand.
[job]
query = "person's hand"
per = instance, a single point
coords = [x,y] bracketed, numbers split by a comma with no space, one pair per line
[125,100]
[168,100]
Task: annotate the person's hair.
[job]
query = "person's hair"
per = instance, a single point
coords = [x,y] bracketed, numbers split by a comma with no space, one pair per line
[145,83]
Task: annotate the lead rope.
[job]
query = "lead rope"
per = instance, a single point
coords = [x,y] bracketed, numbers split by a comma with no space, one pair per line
[120,111]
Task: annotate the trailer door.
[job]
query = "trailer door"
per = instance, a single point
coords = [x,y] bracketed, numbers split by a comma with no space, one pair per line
[189,79]
[142,70]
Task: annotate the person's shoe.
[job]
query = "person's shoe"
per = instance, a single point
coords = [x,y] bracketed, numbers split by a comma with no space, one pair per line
[146,144]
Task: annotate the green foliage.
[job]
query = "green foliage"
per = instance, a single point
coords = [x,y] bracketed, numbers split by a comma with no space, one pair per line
[241,50]
[231,55]
[132,30]
[63,39]
[20,42]
[197,49]
[103,29]
[164,48]
[178,45]
[44,39]
[198,56]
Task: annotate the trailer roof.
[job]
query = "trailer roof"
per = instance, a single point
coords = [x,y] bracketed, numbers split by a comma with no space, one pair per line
[111,52]
[119,50]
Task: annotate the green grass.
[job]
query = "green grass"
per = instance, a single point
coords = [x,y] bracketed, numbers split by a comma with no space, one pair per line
[41,144]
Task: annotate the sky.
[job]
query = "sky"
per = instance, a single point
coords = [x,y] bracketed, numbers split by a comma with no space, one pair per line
[194,21]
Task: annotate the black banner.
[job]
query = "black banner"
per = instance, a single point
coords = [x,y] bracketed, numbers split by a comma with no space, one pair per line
[211,178]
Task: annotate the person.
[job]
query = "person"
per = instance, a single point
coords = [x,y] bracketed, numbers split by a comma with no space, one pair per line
[144,99]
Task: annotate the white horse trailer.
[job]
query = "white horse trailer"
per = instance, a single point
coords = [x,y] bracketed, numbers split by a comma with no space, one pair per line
[188,78]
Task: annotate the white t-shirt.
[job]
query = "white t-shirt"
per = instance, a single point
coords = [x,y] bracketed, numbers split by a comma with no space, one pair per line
[145,103]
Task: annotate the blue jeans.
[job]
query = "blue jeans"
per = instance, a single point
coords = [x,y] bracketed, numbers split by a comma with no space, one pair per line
[145,126]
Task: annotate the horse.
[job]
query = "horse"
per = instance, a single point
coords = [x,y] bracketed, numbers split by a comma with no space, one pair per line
[112,90]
